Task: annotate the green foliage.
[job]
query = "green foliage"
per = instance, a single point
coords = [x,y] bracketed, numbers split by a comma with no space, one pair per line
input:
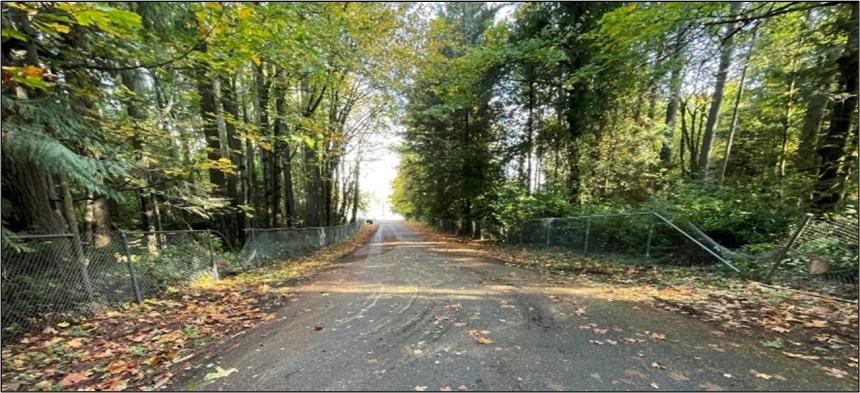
[42,131]
[585,90]
[513,204]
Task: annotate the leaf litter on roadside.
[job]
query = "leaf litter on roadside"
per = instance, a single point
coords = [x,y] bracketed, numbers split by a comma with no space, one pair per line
[816,324]
[139,347]
[480,337]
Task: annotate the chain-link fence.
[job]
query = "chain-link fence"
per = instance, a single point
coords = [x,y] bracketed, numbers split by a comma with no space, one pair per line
[479,230]
[52,278]
[266,245]
[647,235]
[827,250]
[824,250]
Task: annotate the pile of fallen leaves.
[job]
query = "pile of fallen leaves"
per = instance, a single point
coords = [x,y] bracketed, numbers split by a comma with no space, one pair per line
[142,346]
[796,324]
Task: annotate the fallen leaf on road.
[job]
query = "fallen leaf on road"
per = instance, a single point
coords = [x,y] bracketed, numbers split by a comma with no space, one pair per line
[657,365]
[800,356]
[162,380]
[775,343]
[219,373]
[318,327]
[579,311]
[599,331]
[835,372]
[678,376]
[480,337]
[73,378]
[75,343]
[710,387]
[114,384]
[815,324]
[658,336]
[117,366]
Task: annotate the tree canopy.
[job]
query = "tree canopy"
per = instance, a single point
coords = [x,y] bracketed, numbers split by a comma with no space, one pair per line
[207,115]
[740,116]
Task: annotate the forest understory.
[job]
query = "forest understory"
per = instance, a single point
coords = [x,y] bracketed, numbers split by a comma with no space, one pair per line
[141,347]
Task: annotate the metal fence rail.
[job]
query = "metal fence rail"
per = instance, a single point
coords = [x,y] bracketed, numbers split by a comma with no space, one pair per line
[266,245]
[46,279]
[641,234]
[481,230]
[819,253]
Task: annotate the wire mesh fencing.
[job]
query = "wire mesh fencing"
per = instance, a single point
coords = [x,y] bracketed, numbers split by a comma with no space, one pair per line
[819,253]
[52,278]
[474,229]
[649,236]
[646,235]
[264,246]
[827,250]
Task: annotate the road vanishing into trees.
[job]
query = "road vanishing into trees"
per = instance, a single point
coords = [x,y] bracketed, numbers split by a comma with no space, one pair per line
[405,313]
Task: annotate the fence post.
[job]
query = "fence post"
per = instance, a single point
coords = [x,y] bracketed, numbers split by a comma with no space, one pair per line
[254,242]
[784,250]
[137,296]
[548,227]
[650,235]
[587,230]
[212,256]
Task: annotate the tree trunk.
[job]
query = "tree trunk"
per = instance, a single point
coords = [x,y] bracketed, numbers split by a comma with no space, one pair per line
[250,175]
[530,138]
[734,122]
[234,147]
[98,220]
[26,186]
[131,81]
[72,222]
[276,177]
[355,196]
[290,198]
[810,130]
[786,124]
[262,102]
[208,110]
[829,186]
[726,51]
[312,188]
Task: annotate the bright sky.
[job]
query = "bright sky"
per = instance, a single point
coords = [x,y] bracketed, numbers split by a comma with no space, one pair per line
[377,175]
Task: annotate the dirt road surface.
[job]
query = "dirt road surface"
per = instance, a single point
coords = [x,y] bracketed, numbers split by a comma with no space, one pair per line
[404,313]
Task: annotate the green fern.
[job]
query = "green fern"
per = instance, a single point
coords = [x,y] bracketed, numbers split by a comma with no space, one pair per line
[47,133]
